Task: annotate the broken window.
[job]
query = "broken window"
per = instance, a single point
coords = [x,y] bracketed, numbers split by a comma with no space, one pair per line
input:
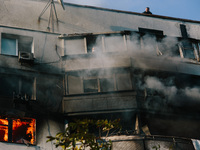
[90,86]
[18,130]
[12,44]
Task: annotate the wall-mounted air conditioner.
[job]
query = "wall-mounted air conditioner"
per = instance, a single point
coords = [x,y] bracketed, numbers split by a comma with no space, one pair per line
[25,57]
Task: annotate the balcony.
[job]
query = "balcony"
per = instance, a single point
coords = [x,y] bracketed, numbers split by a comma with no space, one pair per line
[101,102]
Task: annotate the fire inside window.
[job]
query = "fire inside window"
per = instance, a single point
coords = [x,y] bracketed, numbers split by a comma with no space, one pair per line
[18,130]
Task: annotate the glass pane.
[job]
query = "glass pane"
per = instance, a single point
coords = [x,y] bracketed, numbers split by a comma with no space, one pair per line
[8,46]
[24,131]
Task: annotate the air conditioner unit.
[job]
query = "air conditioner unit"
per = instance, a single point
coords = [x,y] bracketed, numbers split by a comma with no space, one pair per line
[25,57]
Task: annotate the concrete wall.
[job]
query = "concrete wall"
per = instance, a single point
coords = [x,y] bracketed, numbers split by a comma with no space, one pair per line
[46,70]
[80,19]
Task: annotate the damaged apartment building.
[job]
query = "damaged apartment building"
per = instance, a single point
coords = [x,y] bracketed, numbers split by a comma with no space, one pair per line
[74,62]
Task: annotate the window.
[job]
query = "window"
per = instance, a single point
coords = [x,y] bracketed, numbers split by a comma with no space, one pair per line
[107,84]
[114,43]
[123,82]
[18,85]
[74,46]
[91,43]
[9,46]
[151,31]
[188,49]
[12,44]
[150,39]
[90,86]
[18,130]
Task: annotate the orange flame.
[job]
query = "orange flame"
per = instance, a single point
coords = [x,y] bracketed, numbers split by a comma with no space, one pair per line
[24,127]
[30,123]
[4,128]
[31,130]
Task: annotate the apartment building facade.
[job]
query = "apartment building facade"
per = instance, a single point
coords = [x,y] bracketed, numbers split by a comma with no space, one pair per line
[94,63]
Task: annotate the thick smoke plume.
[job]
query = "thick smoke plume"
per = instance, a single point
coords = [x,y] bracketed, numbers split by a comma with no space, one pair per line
[156,84]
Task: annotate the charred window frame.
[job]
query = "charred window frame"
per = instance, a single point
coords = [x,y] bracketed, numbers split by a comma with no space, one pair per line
[11,44]
[21,130]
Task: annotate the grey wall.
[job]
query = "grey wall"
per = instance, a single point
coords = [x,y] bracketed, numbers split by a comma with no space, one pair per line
[80,19]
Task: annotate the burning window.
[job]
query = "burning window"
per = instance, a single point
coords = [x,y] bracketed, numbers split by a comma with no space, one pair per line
[3,130]
[18,130]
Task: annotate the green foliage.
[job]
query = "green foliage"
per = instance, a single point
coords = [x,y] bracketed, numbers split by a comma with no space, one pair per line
[81,133]
[156,147]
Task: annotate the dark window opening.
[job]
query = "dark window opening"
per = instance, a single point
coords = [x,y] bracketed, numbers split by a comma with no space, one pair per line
[107,84]
[18,130]
[12,85]
[183,31]
[91,42]
[90,86]
[151,31]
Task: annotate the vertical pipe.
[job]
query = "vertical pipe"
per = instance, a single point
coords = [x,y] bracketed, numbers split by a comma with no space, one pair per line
[85,44]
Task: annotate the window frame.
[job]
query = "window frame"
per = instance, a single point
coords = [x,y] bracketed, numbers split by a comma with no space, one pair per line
[23,43]
[11,130]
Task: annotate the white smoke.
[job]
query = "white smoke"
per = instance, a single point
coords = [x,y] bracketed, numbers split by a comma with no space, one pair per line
[158,85]
[192,92]
[168,88]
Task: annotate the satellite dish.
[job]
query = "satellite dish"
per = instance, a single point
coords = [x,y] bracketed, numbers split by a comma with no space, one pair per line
[62,4]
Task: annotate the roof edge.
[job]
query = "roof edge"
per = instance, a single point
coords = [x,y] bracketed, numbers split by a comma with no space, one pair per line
[135,13]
